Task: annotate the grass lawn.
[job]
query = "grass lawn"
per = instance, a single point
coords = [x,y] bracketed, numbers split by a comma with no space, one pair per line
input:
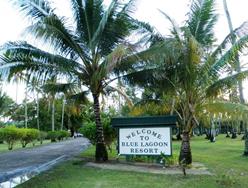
[4,147]
[223,158]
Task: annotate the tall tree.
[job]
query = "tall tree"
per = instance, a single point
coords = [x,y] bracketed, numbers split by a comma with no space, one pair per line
[90,52]
[5,104]
[237,66]
[186,64]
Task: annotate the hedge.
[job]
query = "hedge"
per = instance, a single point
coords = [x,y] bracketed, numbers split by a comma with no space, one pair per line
[89,131]
[42,136]
[57,135]
[11,135]
[28,136]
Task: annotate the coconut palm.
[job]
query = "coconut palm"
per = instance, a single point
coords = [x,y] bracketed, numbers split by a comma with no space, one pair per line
[5,104]
[69,91]
[188,66]
[90,52]
[34,87]
[237,66]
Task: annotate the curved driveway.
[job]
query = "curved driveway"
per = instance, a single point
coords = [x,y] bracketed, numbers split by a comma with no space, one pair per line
[15,162]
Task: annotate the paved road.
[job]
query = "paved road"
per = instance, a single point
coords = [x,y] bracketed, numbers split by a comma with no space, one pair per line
[33,157]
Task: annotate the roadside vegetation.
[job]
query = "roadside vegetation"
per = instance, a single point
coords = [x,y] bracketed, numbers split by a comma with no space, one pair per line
[11,136]
[18,145]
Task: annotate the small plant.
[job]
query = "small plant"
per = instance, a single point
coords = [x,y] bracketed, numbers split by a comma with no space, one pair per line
[227,181]
[169,160]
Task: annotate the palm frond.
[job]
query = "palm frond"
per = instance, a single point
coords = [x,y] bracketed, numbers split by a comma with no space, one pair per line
[36,9]
[87,15]
[175,28]
[225,83]
[149,33]
[143,78]
[78,15]
[137,59]
[118,27]
[53,30]
[65,88]
[226,107]
[238,33]
[115,57]
[21,56]
[101,27]
[79,98]
[230,56]
[202,19]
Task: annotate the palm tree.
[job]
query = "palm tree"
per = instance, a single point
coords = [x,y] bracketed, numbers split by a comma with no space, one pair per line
[234,39]
[63,113]
[26,107]
[90,52]
[71,92]
[187,66]
[5,104]
[237,66]
[34,87]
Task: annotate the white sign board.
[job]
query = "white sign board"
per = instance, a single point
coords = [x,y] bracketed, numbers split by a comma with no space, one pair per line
[145,141]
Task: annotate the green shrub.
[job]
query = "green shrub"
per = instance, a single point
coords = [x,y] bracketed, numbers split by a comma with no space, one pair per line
[170,160]
[110,134]
[62,134]
[89,131]
[52,135]
[42,136]
[11,134]
[57,135]
[28,136]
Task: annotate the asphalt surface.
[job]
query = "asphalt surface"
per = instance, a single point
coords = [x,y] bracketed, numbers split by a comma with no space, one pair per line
[15,161]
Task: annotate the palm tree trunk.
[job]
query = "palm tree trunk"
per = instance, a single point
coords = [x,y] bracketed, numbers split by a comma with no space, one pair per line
[38,112]
[26,109]
[238,69]
[246,142]
[101,151]
[63,113]
[53,114]
[16,92]
[185,156]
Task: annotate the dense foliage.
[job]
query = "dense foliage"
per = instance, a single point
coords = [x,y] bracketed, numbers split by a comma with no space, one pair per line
[12,134]
[89,127]
[57,135]
[28,136]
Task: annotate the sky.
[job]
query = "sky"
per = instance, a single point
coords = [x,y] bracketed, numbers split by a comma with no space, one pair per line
[12,23]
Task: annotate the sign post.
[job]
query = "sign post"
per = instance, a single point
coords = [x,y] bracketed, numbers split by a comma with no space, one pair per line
[144,135]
